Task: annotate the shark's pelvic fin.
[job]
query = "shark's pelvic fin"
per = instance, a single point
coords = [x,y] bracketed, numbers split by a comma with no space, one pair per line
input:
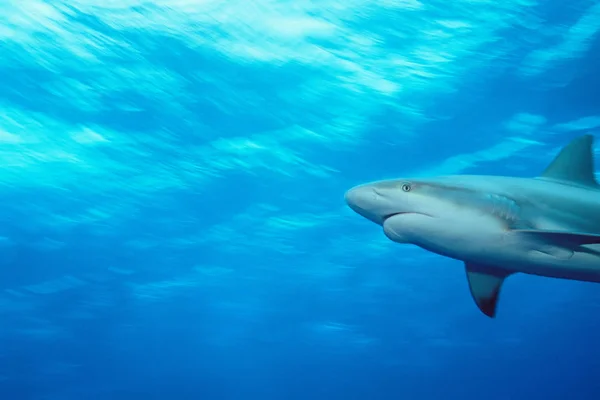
[574,163]
[561,237]
[485,284]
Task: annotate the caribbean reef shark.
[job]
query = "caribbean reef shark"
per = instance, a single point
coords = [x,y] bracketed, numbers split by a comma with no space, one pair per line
[548,225]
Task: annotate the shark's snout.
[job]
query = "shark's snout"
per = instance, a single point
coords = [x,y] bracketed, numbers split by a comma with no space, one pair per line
[365,201]
[354,197]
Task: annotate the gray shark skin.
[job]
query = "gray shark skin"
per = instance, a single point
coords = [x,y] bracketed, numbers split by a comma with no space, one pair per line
[548,225]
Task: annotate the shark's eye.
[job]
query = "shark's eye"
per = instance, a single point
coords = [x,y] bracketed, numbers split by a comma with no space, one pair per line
[406,187]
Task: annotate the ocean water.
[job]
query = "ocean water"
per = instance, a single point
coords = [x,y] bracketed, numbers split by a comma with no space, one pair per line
[171,187]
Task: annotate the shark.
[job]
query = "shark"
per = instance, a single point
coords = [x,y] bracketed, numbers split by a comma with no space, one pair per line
[546,225]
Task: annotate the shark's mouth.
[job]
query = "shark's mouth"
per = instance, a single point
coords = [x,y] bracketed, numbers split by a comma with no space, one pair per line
[388,216]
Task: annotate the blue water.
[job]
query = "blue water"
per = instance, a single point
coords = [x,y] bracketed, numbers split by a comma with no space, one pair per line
[171,191]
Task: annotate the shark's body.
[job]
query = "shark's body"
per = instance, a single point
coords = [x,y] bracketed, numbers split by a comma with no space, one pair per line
[498,225]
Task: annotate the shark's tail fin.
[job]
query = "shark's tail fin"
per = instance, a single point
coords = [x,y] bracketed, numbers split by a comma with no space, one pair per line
[574,163]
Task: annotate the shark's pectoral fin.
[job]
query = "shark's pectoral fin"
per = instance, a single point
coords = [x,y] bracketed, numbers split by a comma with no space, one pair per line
[560,237]
[485,284]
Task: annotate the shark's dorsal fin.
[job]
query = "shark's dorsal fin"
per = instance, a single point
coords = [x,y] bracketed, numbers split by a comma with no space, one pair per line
[574,163]
[485,284]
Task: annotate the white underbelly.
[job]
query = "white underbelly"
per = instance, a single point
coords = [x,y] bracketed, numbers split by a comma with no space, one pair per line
[516,254]
[578,265]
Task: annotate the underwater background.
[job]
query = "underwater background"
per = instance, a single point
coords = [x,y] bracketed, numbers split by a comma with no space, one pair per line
[172,220]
